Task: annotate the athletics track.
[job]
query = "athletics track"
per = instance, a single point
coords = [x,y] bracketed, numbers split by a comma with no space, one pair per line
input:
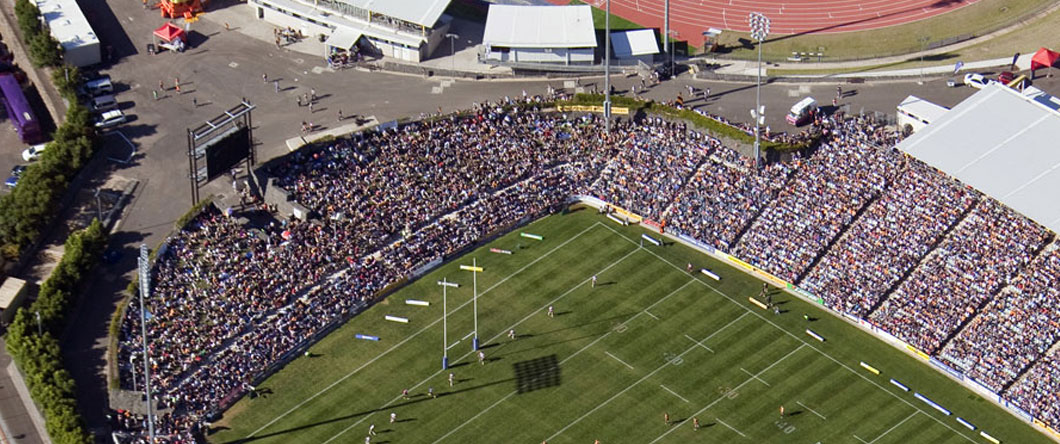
[691,17]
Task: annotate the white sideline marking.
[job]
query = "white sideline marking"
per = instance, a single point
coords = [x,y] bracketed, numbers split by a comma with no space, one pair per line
[652,316]
[730,427]
[811,410]
[453,345]
[674,393]
[862,440]
[894,427]
[619,360]
[564,361]
[468,336]
[362,366]
[700,343]
[753,376]
[797,338]
[637,382]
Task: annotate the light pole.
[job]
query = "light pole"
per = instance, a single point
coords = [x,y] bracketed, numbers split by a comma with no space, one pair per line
[923,47]
[670,41]
[759,31]
[607,70]
[40,332]
[445,323]
[132,369]
[452,52]
[475,270]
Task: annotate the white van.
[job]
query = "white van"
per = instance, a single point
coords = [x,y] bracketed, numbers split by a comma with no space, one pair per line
[802,112]
[103,103]
[99,86]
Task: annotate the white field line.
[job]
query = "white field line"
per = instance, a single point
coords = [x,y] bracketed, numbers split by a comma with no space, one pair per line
[700,343]
[399,344]
[675,394]
[799,338]
[862,440]
[568,358]
[453,345]
[811,410]
[652,316]
[729,426]
[468,335]
[752,378]
[504,332]
[894,427]
[619,360]
[630,386]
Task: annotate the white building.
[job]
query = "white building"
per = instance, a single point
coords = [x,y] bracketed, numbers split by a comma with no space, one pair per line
[70,27]
[540,34]
[407,30]
[635,45]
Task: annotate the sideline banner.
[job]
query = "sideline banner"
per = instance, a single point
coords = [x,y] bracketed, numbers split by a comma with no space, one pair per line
[622,110]
[632,217]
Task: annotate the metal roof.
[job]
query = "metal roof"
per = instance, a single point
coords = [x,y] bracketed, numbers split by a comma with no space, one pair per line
[633,43]
[922,108]
[1002,143]
[423,12]
[513,26]
[67,23]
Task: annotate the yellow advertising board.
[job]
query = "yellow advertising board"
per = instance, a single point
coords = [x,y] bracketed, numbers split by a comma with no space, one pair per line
[593,109]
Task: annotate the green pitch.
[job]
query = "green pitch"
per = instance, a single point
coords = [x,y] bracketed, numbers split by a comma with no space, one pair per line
[650,339]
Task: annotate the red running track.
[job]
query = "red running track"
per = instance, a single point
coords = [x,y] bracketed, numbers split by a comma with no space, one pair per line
[691,17]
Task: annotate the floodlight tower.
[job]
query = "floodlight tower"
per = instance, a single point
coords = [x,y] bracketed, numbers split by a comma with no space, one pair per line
[607,70]
[759,31]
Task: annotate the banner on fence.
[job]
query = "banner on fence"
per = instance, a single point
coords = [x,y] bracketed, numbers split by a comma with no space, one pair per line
[922,355]
[655,226]
[620,110]
[952,372]
[633,217]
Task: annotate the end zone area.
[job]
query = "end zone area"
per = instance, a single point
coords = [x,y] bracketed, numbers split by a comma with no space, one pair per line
[641,355]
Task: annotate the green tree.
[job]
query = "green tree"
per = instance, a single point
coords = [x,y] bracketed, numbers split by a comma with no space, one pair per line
[28,19]
[44,50]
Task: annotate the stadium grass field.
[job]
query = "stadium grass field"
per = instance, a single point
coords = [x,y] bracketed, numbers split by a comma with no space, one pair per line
[649,339]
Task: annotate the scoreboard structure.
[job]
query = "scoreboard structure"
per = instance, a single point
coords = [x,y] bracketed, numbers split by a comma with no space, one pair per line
[219,145]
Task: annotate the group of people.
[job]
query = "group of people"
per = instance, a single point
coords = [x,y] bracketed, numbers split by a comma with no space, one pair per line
[232,298]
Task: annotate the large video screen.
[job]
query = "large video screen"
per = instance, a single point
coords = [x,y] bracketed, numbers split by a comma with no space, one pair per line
[226,150]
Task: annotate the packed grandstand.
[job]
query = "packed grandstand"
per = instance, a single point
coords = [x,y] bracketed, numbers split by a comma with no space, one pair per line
[874,233]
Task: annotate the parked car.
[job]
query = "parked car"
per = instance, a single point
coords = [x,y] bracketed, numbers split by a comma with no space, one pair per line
[11,181]
[1005,77]
[110,118]
[103,103]
[16,174]
[975,80]
[33,153]
[97,86]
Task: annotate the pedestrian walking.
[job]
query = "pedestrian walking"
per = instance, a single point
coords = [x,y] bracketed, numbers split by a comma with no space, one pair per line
[806,317]
[781,411]
[695,423]
[835,101]
[161,85]
[155,93]
[393,417]
[666,418]
[551,312]
[430,392]
[511,334]
[371,430]
[451,379]
[776,310]
[312,95]
[264,77]
[276,86]
[405,394]
[481,358]
[689,267]
[195,102]
[839,91]
[594,281]
[310,106]
[367,440]
[340,115]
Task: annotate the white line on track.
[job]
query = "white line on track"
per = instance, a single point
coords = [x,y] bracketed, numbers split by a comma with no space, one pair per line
[619,360]
[753,376]
[811,410]
[730,427]
[700,343]
[894,427]
[674,393]
[399,344]
[799,338]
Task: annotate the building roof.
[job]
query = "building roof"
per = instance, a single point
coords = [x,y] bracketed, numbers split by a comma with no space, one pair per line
[423,12]
[67,23]
[540,27]
[9,290]
[1002,143]
[634,43]
[373,30]
[922,108]
[343,38]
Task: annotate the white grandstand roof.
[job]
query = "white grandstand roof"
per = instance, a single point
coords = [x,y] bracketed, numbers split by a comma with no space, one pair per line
[922,108]
[1002,143]
[423,12]
[633,43]
[67,23]
[513,26]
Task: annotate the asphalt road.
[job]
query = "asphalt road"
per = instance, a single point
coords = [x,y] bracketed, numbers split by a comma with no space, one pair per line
[225,66]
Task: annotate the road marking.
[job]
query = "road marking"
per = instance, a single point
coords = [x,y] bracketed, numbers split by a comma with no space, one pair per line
[811,410]
[619,360]
[895,427]
[673,393]
[700,411]
[399,344]
[799,338]
[730,427]
[753,376]
[700,343]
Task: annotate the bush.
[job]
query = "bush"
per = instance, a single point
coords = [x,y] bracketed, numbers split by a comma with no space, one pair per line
[66,81]
[28,16]
[38,354]
[44,50]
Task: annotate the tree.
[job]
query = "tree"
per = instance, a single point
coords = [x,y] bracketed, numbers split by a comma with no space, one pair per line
[44,50]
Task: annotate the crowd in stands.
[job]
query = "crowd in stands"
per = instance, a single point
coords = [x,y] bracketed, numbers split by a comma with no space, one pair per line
[981,255]
[1014,330]
[850,222]
[1038,391]
[889,238]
